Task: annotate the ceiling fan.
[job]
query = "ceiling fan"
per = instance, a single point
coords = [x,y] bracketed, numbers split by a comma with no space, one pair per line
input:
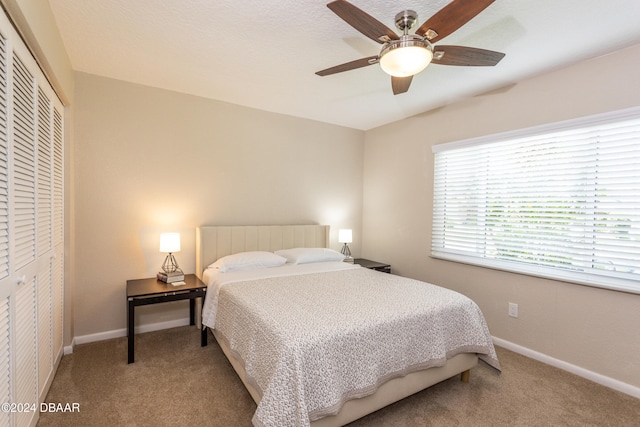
[404,56]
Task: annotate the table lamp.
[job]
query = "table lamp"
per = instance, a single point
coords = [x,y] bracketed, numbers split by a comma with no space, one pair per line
[345,236]
[170,243]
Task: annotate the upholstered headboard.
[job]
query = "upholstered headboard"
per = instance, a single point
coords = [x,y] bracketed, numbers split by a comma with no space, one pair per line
[213,242]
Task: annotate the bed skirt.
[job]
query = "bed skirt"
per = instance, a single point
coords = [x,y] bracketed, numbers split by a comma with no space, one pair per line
[388,393]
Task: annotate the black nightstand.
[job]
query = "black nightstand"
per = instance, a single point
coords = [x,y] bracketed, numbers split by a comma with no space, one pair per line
[154,291]
[373,265]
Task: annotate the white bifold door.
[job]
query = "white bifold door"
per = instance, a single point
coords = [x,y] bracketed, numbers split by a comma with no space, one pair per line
[31,231]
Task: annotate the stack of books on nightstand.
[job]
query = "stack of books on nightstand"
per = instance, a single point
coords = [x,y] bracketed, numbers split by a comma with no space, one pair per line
[176,276]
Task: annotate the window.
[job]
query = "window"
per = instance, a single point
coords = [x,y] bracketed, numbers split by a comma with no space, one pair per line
[559,201]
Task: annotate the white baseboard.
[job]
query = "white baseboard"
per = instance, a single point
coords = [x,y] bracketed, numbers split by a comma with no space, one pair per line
[117,333]
[68,349]
[581,372]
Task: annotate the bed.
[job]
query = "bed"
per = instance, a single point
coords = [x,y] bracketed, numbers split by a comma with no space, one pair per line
[325,342]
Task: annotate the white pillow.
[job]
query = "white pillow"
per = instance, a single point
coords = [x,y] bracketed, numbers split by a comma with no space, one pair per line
[248,261]
[308,255]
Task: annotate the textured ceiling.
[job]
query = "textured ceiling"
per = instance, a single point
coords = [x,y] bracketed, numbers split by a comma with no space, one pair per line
[263,54]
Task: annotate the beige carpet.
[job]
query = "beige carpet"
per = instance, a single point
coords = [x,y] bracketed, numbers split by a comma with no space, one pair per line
[175,382]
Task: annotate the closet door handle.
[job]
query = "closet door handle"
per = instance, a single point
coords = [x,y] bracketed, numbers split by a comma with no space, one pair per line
[22,279]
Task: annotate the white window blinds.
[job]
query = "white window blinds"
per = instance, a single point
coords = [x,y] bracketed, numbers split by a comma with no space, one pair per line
[559,201]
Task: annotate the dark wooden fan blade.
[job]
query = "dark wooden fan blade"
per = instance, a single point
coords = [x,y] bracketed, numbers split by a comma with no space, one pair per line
[400,84]
[361,21]
[451,17]
[465,56]
[358,63]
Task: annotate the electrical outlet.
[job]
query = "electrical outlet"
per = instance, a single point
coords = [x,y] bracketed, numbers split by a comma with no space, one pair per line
[513,310]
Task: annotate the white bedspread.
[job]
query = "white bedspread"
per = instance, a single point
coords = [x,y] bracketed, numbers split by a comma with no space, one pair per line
[312,341]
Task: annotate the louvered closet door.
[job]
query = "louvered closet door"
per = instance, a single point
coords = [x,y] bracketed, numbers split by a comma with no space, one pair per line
[5,359]
[22,135]
[58,232]
[44,244]
[6,383]
[24,166]
[25,346]
[31,230]
[4,166]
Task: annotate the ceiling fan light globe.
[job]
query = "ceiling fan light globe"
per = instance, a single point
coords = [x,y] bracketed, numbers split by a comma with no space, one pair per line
[405,58]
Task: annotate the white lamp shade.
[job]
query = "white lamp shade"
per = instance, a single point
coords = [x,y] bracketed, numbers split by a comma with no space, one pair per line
[345,235]
[170,242]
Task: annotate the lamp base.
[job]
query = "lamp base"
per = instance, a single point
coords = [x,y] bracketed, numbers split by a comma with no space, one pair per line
[346,251]
[170,265]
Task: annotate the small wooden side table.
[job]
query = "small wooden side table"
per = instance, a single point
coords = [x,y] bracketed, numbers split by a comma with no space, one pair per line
[154,291]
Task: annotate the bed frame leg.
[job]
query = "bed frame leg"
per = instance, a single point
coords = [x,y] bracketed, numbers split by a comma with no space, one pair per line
[464,377]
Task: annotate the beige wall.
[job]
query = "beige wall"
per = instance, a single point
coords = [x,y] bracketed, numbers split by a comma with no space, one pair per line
[150,160]
[587,327]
